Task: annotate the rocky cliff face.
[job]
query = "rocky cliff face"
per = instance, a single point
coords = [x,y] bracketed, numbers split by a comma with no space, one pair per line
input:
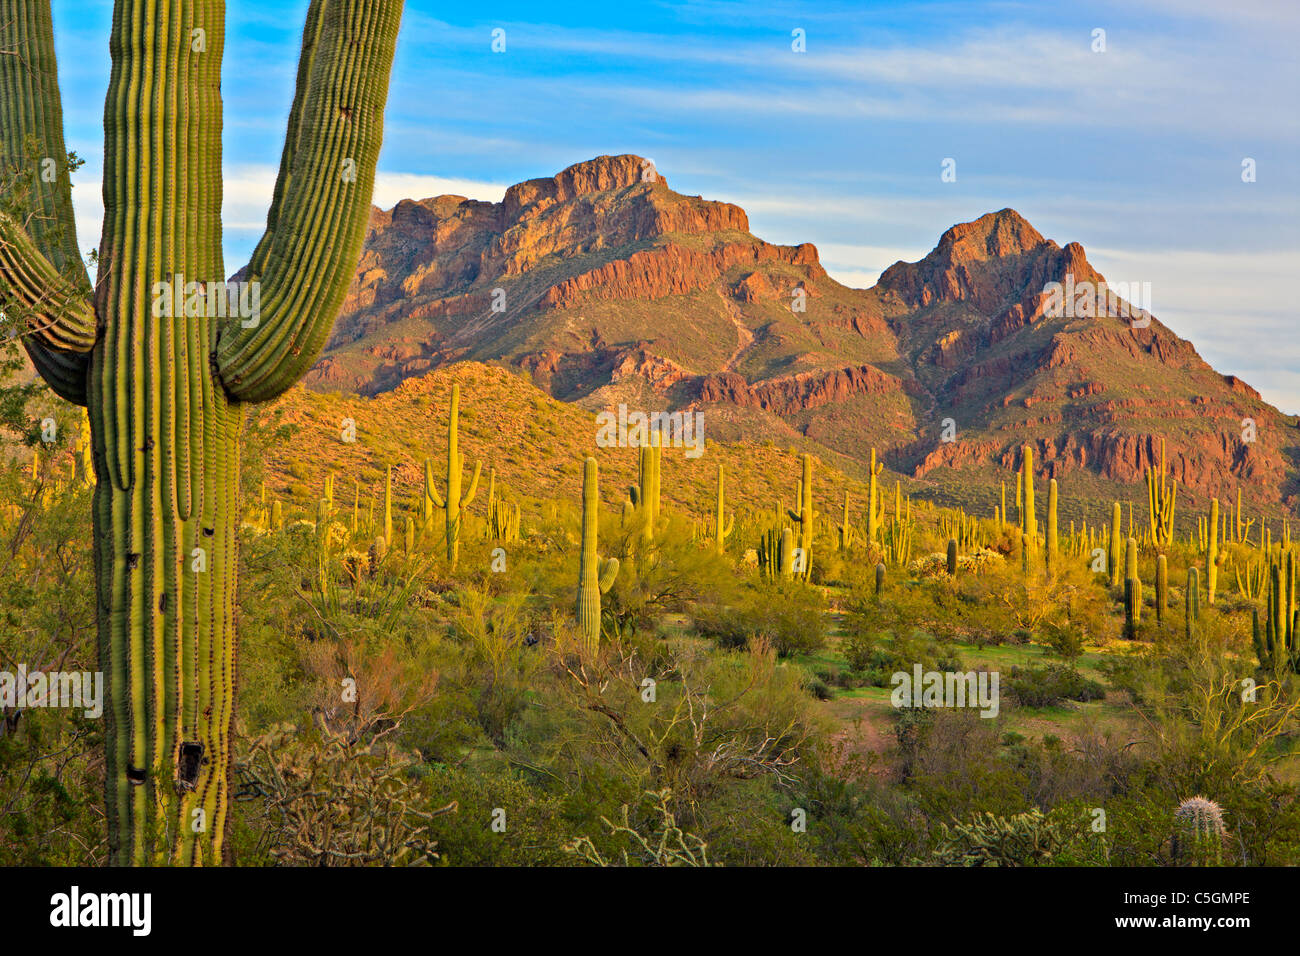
[605,285]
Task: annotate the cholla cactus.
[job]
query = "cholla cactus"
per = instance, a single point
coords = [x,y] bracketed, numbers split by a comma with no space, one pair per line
[1026,839]
[1199,833]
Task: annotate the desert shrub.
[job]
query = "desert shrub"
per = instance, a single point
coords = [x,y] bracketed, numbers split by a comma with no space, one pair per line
[788,616]
[1045,686]
[875,658]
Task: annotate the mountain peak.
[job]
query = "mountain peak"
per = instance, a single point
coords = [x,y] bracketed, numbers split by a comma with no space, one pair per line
[990,262]
[992,236]
[590,176]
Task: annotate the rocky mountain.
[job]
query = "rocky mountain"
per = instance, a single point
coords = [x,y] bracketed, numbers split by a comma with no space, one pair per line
[603,285]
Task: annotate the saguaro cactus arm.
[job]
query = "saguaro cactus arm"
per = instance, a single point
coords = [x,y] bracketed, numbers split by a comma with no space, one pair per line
[321,206]
[43,284]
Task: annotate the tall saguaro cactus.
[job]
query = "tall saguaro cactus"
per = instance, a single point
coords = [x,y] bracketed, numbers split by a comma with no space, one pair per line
[165,387]
[721,526]
[595,577]
[805,515]
[1028,520]
[455,502]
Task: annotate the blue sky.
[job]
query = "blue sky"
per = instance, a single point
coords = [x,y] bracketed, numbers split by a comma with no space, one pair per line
[1135,152]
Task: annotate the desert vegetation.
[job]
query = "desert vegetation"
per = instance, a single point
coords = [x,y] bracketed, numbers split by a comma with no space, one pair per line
[435,667]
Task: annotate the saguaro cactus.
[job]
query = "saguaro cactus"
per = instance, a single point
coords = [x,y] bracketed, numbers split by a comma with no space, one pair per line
[722,526]
[1116,548]
[1162,588]
[952,557]
[595,577]
[644,495]
[1192,601]
[1132,589]
[1029,525]
[455,502]
[388,504]
[1052,542]
[165,390]
[1160,503]
[873,506]
[1212,551]
[845,529]
[805,515]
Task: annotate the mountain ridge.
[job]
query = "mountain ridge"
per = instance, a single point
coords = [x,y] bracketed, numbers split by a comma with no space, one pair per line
[603,285]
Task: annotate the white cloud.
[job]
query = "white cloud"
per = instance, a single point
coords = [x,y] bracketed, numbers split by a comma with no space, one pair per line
[247,192]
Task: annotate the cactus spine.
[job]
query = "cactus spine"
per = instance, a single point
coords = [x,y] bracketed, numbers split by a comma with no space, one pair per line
[454,502]
[595,577]
[721,525]
[165,392]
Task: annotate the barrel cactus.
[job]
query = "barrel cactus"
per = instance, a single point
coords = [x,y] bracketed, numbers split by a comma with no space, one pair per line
[165,388]
[1199,833]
